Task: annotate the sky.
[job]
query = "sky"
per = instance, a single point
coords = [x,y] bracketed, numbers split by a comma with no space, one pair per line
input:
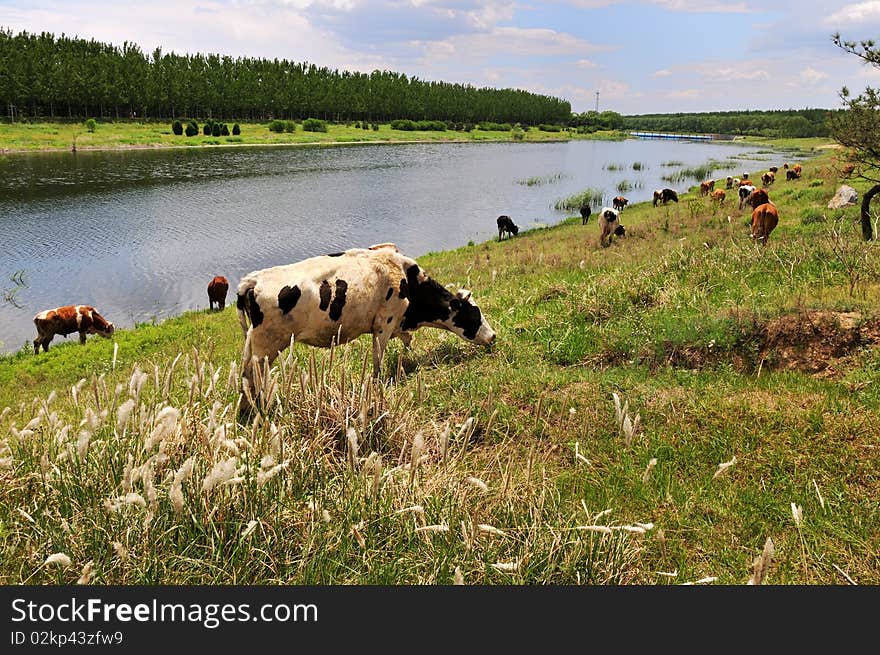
[639,56]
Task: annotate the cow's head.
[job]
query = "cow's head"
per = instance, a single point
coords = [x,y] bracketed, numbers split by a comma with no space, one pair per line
[431,304]
[620,231]
[514,228]
[100,325]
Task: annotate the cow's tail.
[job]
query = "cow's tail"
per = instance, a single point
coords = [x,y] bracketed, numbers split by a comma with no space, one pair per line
[244,302]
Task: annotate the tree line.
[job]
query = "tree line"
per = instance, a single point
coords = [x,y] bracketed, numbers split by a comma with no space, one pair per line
[782,123]
[44,76]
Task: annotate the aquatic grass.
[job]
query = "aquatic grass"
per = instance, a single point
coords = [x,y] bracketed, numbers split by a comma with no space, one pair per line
[540,180]
[574,202]
[671,163]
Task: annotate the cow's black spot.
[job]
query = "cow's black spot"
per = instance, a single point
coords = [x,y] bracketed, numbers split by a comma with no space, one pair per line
[404,289]
[324,292]
[390,318]
[253,308]
[390,293]
[336,254]
[338,300]
[428,303]
[288,297]
[239,303]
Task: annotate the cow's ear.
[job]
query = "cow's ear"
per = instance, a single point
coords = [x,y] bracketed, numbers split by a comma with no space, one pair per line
[463,294]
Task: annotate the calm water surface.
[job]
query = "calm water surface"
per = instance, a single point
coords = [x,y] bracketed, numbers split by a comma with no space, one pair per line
[138,234]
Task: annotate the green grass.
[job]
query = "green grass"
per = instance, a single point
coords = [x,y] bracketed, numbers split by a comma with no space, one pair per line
[462,458]
[575,201]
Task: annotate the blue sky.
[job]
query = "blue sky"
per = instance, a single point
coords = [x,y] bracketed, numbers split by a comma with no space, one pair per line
[640,55]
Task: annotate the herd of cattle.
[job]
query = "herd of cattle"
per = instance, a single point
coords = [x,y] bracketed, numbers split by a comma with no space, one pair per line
[338,297]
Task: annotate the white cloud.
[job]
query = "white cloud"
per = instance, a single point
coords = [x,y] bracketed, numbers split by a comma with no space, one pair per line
[855,14]
[744,72]
[526,42]
[683,94]
[585,63]
[661,73]
[703,6]
[810,75]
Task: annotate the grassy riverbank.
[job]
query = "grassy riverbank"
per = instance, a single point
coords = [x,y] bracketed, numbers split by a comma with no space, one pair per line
[26,137]
[754,373]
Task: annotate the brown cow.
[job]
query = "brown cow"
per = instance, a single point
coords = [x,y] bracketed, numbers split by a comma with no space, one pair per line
[768,178]
[619,203]
[790,175]
[764,219]
[719,195]
[217,289]
[65,320]
[757,197]
[797,169]
[706,187]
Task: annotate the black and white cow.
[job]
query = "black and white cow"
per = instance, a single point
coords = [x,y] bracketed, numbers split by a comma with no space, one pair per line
[332,299]
[506,225]
[744,191]
[609,224]
[665,195]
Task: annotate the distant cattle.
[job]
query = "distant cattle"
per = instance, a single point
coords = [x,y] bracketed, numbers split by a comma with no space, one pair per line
[729,182]
[609,225]
[785,166]
[797,169]
[848,169]
[718,195]
[333,299]
[68,319]
[791,175]
[707,187]
[764,219]
[744,192]
[664,196]
[768,178]
[506,225]
[619,203]
[217,290]
[585,214]
[773,169]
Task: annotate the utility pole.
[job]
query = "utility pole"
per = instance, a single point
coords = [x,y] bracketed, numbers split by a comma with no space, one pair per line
[597,102]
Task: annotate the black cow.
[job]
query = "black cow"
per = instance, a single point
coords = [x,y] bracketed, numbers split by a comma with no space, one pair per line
[585,214]
[506,225]
[664,196]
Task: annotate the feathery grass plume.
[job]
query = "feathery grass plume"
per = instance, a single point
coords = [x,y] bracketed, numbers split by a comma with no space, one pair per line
[325,516]
[82,443]
[444,441]
[439,527]
[650,467]
[491,529]
[506,567]
[123,413]
[221,473]
[60,559]
[797,513]
[34,422]
[75,389]
[373,468]
[819,495]
[6,461]
[628,426]
[268,472]
[251,526]
[723,466]
[88,572]
[418,509]
[603,529]
[577,454]
[457,577]
[761,565]
[351,438]
[175,492]
[476,482]
[165,426]
[130,498]
[706,580]
[120,550]
[115,351]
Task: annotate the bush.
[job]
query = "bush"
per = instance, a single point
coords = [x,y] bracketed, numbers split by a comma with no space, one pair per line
[518,133]
[427,126]
[489,126]
[314,125]
[208,129]
[550,128]
[91,124]
[215,129]
[236,130]
[375,127]
[357,125]
[290,126]
[191,129]
[177,128]
[224,130]
[277,125]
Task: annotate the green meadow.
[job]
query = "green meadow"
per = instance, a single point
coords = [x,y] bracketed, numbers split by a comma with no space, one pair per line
[683,406]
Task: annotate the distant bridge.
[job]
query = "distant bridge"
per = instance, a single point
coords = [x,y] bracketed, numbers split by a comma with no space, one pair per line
[682,136]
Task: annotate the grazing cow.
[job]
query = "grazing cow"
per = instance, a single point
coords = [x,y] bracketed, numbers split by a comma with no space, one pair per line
[773,169]
[664,196]
[505,224]
[848,169]
[744,192]
[757,197]
[609,224]
[217,289]
[68,319]
[797,169]
[585,214]
[333,299]
[745,182]
[729,181]
[764,219]
[719,195]
[785,166]
[707,187]
[768,178]
[791,175]
[619,203]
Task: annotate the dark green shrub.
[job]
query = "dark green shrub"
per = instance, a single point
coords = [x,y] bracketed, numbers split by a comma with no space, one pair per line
[357,125]
[375,127]
[91,124]
[215,129]
[191,129]
[550,128]
[365,125]
[224,130]
[408,125]
[177,128]
[290,126]
[276,126]
[314,125]
[236,130]
[489,126]
[208,128]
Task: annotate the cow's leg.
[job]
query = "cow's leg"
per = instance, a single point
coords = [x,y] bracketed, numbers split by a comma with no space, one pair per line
[37,345]
[221,304]
[259,349]
[381,336]
[82,337]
